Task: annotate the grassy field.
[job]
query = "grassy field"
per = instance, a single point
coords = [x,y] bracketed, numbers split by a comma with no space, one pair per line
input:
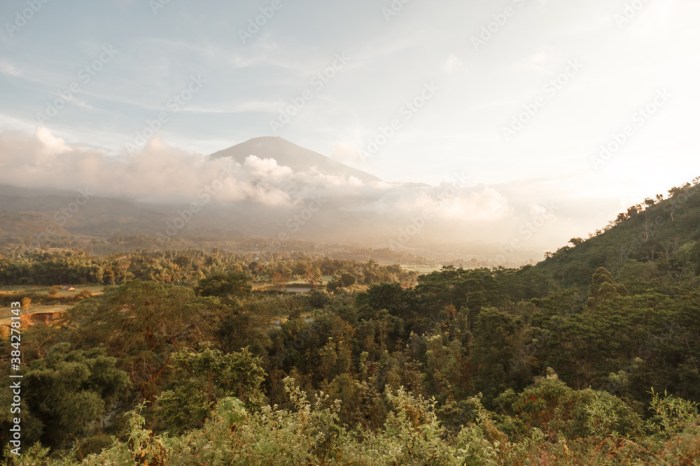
[6,313]
[421,269]
[35,289]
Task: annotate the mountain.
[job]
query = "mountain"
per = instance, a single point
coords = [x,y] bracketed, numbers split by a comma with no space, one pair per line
[659,237]
[35,213]
[295,157]
[32,215]
[447,224]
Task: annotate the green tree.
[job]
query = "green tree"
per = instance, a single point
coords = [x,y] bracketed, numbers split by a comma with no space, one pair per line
[200,379]
[142,324]
[602,287]
[71,392]
[232,285]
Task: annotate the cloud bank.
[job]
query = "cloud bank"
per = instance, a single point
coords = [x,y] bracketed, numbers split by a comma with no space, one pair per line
[377,213]
[158,173]
[162,173]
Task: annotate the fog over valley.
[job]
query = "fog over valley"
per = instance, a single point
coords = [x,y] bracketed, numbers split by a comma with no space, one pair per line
[271,188]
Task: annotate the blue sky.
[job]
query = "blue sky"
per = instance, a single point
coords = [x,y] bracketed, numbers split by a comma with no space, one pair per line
[520,89]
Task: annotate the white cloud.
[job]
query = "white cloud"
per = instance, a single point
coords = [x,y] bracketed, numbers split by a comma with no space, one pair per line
[157,173]
[166,174]
[163,173]
[253,106]
[648,19]
[445,202]
[52,144]
[452,63]
[8,69]
[486,205]
[346,152]
[266,167]
[545,59]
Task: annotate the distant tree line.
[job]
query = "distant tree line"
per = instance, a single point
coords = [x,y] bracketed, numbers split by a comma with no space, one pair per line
[37,267]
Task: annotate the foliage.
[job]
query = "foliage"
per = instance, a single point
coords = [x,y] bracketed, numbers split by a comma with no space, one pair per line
[202,378]
[559,363]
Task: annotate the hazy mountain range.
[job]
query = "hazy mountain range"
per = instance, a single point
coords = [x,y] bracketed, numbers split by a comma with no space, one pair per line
[266,188]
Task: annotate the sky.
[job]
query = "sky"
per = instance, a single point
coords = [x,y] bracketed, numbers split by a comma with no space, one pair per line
[590,106]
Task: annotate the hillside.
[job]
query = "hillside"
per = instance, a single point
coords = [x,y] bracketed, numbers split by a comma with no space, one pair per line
[37,215]
[660,236]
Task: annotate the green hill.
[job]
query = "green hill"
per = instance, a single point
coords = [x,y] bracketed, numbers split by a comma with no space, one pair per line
[660,237]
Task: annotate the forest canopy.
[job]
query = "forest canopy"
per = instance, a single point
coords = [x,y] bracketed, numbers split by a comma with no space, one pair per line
[192,357]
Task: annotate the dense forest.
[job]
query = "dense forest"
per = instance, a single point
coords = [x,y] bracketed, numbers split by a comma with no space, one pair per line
[187,267]
[590,357]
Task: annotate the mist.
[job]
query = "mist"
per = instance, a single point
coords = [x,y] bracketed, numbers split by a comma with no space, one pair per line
[502,224]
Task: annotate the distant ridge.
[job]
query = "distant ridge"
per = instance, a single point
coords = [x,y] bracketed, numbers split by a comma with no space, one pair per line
[291,155]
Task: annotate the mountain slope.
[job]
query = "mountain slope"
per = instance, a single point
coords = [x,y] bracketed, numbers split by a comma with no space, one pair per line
[36,213]
[664,237]
[295,157]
